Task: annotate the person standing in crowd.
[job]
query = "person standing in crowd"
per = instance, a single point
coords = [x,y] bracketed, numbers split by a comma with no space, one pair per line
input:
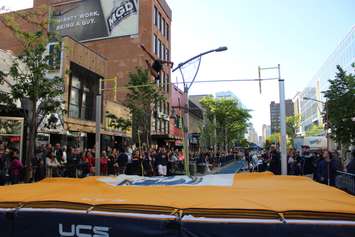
[73,159]
[148,164]
[4,165]
[307,161]
[350,168]
[104,164]
[161,162]
[112,161]
[275,161]
[291,162]
[85,165]
[122,161]
[58,153]
[15,168]
[135,167]
[247,158]
[326,170]
[52,165]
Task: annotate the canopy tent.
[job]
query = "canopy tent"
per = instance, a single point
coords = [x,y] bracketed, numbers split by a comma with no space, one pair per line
[253,204]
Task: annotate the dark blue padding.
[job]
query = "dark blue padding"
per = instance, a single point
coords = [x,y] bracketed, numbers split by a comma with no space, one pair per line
[45,224]
[5,223]
[198,229]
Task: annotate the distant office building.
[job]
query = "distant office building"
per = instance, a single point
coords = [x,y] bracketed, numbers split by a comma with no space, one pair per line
[275,114]
[266,131]
[229,95]
[260,141]
[252,135]
[343,55]
[226,95]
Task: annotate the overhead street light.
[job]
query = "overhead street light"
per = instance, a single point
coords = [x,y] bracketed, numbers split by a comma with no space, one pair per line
[319,101]
[186,93]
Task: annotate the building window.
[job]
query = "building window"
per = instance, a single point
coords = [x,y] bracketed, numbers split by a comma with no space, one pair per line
[163,27]
[155,40]
[84,85]
[160,50]
[167,54]
[163,51]
[155,16]
[159,21]
[167,31]
[167,83]
[74,98]
[158,47]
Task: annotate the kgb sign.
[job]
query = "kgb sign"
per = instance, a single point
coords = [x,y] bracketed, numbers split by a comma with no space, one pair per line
[87,20]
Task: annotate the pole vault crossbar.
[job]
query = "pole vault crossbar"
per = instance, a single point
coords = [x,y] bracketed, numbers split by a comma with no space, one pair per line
[210,81]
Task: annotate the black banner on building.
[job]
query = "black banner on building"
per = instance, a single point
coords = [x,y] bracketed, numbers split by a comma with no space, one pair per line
[96,19]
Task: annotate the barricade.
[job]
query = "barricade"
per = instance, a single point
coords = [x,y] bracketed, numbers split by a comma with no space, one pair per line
[345,181]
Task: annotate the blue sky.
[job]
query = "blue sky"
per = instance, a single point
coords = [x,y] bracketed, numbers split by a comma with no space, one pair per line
[298,34]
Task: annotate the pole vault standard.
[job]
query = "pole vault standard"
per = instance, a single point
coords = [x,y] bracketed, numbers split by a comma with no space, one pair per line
[283,145]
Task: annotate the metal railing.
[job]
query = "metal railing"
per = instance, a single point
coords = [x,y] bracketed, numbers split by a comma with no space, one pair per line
[345,181]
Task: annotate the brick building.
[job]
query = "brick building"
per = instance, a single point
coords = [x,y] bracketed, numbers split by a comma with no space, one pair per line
[123,54]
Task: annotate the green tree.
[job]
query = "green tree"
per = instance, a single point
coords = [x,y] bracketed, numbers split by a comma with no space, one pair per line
[292,123]
[29,70]
[315,130]
[340,107]
[142,99]
[274,138]
[231,121]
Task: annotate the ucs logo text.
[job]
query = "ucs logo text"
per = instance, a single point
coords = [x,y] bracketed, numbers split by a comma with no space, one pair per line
[83,231]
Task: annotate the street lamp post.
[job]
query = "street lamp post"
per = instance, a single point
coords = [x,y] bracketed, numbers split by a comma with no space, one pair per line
[186,107]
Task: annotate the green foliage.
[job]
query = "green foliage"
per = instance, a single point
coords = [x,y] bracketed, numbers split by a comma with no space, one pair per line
[292,123]
[315,130]
[29,70]
[118,123]
[274,138]
[340,107]
[142,97]
[231,121]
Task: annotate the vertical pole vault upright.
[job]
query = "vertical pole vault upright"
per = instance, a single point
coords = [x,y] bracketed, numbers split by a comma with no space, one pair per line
[282,124]
[283,145]
[98,129]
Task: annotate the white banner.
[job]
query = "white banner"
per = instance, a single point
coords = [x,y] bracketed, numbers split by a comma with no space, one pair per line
[207,180]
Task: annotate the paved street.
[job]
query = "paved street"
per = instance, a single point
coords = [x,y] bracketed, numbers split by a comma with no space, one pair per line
[234,167]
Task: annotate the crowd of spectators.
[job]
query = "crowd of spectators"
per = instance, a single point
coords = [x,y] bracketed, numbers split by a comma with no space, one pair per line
[60,161]
[322,165]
